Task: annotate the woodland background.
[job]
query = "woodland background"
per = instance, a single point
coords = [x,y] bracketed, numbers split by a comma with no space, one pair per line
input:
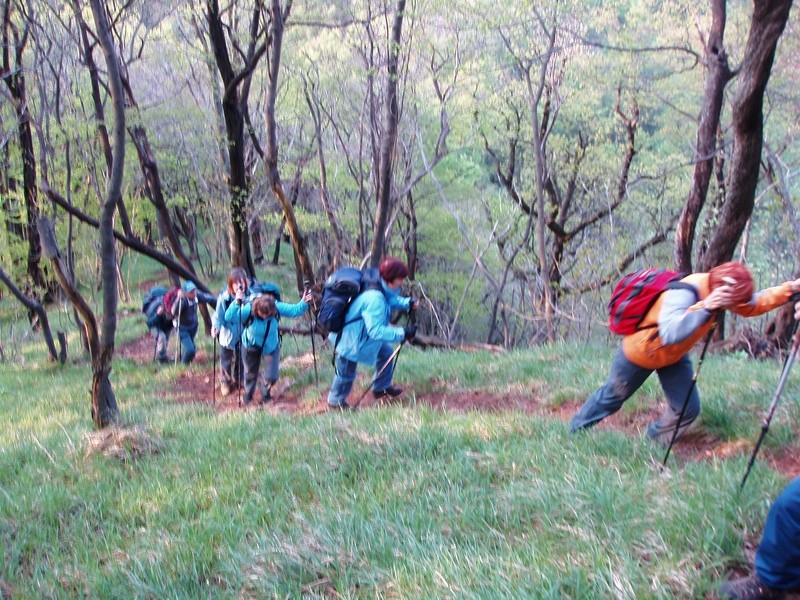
[519,158]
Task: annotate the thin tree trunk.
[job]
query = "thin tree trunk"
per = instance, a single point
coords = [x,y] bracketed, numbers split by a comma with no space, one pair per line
[14,42]
[766,26]
[304,270]
[717,77]
[389,140]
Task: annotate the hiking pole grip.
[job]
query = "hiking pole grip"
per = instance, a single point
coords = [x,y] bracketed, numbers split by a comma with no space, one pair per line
[774,404]
[690,391]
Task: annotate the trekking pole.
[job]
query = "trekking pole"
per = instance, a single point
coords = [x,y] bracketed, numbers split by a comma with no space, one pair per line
[180,345]
[392,357]
[307,285]
[214,373]
[240,361]
[765,425]
[690,390]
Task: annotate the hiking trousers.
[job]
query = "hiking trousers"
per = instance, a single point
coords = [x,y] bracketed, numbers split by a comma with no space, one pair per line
[346,375]
[778,555]
[252,360]
[625,378]
[160,339]
[230,364]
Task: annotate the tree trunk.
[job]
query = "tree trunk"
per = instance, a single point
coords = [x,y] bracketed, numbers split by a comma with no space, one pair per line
[766,26]
[336,230]
[304,270]
[234,104]
[97,101]
[718,76]
[13,46]
[389,140]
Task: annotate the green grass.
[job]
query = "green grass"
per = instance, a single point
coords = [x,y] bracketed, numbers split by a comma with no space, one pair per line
[385,503]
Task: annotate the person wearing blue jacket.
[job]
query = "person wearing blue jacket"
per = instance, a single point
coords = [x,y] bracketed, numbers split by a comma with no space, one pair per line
[229,332]
[777,564]
[184,312]
[367,336]
[260,339]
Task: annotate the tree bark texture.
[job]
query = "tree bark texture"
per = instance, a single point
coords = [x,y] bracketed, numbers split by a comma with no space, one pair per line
[13,48]
[718,74]
[304,271]
[766,26]
[234,103]
[104,403]
[389,140]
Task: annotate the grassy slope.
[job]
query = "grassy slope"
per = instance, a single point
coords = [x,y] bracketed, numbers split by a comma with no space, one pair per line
[401,503]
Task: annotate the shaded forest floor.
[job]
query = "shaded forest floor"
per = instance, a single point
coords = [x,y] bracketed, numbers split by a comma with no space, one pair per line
[194,385]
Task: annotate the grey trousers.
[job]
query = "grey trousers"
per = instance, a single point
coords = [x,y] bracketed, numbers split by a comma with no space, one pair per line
[160,339]
[623,381]
[252,364]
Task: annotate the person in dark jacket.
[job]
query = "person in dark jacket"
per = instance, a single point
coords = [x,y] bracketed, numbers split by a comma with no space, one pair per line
[260,337]
[777,564]
[184,313]
[367,335]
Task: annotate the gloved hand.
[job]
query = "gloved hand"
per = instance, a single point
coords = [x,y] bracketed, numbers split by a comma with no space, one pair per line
[410,333]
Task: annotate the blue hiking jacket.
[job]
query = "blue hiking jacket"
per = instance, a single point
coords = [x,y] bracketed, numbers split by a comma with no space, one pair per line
[256,330]
[230,330]
[368,325]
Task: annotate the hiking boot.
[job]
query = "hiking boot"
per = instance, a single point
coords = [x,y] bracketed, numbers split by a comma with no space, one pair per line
[247,399]
[224,388]
[266,396]
[750,588]
[392,391]
[344,406]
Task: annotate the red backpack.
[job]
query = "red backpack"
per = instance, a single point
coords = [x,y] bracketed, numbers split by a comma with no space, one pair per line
[635,294]
[169,300]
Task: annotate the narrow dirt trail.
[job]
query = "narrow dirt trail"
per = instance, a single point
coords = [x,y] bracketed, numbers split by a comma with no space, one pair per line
[194,384]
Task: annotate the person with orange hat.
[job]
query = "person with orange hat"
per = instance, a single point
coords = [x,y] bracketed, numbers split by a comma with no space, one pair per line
[678,319]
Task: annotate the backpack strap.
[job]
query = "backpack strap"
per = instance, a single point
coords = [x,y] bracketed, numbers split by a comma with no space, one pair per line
[266,335]
[682,285]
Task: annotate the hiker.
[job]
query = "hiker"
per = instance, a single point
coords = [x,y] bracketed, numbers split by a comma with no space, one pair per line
[777,563]
[230,332]
[260,337]
[184,313]
[366,336]
[678,319]
[160,325]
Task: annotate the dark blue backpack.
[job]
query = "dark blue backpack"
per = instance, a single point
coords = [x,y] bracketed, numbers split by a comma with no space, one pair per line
[152,300]
[340,289]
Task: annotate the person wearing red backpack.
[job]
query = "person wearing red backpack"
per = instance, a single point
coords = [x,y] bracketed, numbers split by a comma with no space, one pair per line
[677,320]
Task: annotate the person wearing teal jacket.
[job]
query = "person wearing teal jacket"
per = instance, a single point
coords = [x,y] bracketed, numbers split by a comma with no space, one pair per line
[260,339]
[229,332]
[367,336]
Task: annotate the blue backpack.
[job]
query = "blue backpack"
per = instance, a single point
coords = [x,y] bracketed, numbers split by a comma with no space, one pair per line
[152,300]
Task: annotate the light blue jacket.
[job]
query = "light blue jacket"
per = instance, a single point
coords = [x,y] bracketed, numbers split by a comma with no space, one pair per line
[255,332]
[230,331]
[370,313]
